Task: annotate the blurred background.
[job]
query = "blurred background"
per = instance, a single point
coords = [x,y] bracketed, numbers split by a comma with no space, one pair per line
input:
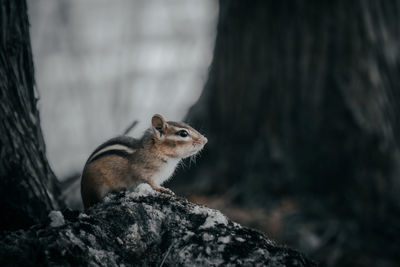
[101,66]
[299,101]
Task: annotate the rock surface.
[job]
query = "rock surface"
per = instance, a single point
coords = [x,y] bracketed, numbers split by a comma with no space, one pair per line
[143,228]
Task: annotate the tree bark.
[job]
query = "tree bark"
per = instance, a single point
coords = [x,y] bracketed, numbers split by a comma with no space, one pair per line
[144,228]
[28,187]
[303,100]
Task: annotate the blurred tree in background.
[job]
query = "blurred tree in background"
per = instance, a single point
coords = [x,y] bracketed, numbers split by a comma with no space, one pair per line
[301,110]
[302,103]
[28,187]
[99,67]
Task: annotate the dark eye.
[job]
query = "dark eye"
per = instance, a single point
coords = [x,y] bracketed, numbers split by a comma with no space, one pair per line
[182,133]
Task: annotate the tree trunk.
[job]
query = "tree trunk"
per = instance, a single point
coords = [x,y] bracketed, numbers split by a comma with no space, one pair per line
[28,187]
[303,100]
[144,228]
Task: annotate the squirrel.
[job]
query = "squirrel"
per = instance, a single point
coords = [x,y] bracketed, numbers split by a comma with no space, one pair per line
[123,162]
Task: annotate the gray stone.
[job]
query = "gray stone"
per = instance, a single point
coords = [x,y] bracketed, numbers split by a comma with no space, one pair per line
[133,229]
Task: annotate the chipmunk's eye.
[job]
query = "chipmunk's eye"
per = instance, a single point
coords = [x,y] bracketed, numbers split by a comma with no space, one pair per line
[182,133]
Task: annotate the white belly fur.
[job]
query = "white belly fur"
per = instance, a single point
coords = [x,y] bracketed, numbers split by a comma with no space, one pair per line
[165,171]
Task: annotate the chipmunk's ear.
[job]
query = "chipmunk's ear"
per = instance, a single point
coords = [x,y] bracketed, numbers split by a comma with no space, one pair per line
[159,125]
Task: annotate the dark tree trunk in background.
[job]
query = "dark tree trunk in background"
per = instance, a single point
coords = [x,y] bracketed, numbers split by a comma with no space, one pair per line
[303,100]
[28,187]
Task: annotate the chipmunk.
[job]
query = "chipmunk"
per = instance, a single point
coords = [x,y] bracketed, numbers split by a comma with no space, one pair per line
[124,162]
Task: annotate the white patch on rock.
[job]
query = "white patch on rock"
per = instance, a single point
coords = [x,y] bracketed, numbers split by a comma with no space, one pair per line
[207,237]
[83,216]
[74,239]
[107,199]
[156,218]
[92,239]
[200,210]
[88,236]
[184,253]
[119,240]
[260,253]
[57,218]
[236,225]
[133,231]
[240,239]
[143,190]
[102,256]
[224,239]
[188,235]
[214,217]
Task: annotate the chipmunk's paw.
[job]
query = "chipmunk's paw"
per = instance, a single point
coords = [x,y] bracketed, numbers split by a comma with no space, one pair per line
[167,191]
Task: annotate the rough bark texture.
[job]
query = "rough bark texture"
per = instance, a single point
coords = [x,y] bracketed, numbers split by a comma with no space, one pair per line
[144,228]
[28,189]
[302,102]
[303,90]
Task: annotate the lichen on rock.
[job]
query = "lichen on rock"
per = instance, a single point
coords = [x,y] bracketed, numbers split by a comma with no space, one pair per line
[144,228]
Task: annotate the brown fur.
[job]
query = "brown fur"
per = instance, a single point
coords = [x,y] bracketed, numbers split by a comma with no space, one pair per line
[111,173]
